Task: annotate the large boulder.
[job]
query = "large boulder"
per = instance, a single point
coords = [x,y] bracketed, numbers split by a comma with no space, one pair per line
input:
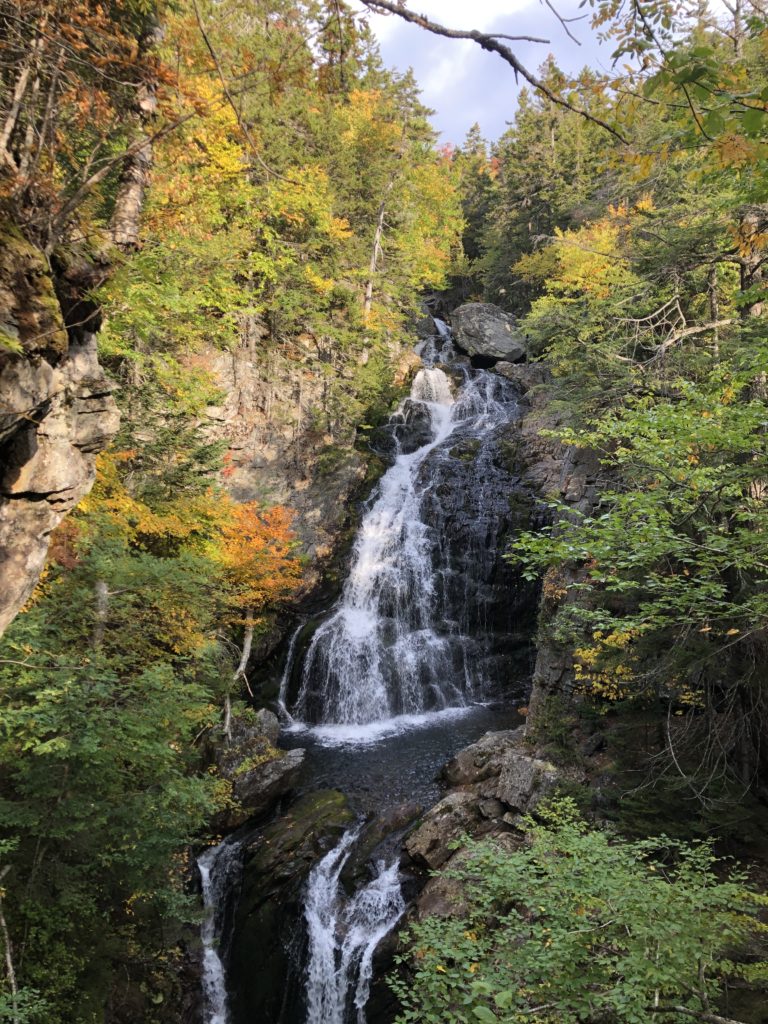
[482,329]
[455,815]
[493,781]
[499,767]
[259,773]
[524,782]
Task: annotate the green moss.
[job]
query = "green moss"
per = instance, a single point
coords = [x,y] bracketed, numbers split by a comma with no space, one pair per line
[266,754]
[9,343]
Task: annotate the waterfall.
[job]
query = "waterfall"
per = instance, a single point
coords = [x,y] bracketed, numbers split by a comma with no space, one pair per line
[424,626]
[218,868]
[285,679]
[343,933]
[394,648]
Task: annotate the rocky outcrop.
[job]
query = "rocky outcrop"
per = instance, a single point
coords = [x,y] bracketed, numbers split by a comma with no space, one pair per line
[289,442]
[482,329]
[260,774]
[552,471]
[495,781]
[56,413]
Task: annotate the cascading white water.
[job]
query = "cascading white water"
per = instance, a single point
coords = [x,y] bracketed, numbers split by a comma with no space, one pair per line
[217,866]
[343,933]
[386,652]
[286,676]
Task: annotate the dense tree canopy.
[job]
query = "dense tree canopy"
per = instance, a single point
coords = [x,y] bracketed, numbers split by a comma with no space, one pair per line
[195,169]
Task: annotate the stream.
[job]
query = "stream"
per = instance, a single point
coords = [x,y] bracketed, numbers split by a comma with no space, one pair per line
[420,656]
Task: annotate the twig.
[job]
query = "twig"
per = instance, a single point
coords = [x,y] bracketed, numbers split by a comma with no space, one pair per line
[564,22]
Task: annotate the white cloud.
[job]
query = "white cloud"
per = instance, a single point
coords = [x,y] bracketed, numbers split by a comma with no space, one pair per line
[462,82]
[453,13]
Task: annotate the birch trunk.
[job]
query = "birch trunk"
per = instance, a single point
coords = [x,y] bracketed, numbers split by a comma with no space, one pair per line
[239,674]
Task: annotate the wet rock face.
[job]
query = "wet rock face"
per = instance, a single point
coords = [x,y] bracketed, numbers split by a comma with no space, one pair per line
[483,330]
[263,977]
[407,430]
[574,475]
[56,413]
[477,502]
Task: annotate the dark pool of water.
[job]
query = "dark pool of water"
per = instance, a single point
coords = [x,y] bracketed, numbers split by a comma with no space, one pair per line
[395,768]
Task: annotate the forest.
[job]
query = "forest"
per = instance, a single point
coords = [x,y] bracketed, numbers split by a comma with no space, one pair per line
[223,224]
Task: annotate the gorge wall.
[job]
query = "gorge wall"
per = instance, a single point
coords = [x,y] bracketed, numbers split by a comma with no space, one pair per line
[290,440]
[56,413]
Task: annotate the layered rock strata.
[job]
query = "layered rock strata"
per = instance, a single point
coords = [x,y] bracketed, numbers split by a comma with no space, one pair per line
[56,413]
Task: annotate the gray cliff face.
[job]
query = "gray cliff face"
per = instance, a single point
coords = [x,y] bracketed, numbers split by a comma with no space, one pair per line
[482,329]
[287,443]
[572,475]
[56,413]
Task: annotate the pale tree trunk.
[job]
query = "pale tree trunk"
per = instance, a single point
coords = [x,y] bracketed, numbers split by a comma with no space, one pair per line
[239,674]
[10,970]
[22,82]
[137,168]
[130,198]
[376,250]
[736,9]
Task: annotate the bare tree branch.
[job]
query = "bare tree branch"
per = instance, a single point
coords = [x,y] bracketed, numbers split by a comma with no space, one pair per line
[564,22]
[492,44]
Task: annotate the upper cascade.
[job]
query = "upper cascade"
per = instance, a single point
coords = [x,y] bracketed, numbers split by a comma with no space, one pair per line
[406,636]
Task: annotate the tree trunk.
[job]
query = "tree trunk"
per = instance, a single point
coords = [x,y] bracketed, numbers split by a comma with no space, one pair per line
[376,250]
[130,197]
[239,674]
[134,180]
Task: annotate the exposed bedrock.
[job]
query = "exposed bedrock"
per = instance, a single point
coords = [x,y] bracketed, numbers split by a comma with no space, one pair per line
[268,916]
[493,782]
[56,413]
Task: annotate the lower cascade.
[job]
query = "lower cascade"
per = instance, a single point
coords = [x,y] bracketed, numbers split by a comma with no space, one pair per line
[218,867]
[343,934]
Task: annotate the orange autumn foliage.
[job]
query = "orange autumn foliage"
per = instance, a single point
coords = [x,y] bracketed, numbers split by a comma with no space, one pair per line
[258,553]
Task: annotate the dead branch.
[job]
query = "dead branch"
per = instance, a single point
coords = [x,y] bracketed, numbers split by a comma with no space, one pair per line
[564,21]
[687,332]
[491,43]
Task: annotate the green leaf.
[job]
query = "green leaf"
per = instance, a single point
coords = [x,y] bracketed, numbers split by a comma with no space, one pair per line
[482,1013]
[714,123]
[753,120]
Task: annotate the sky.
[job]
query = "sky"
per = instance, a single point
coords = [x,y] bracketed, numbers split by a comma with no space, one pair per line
[462,82]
